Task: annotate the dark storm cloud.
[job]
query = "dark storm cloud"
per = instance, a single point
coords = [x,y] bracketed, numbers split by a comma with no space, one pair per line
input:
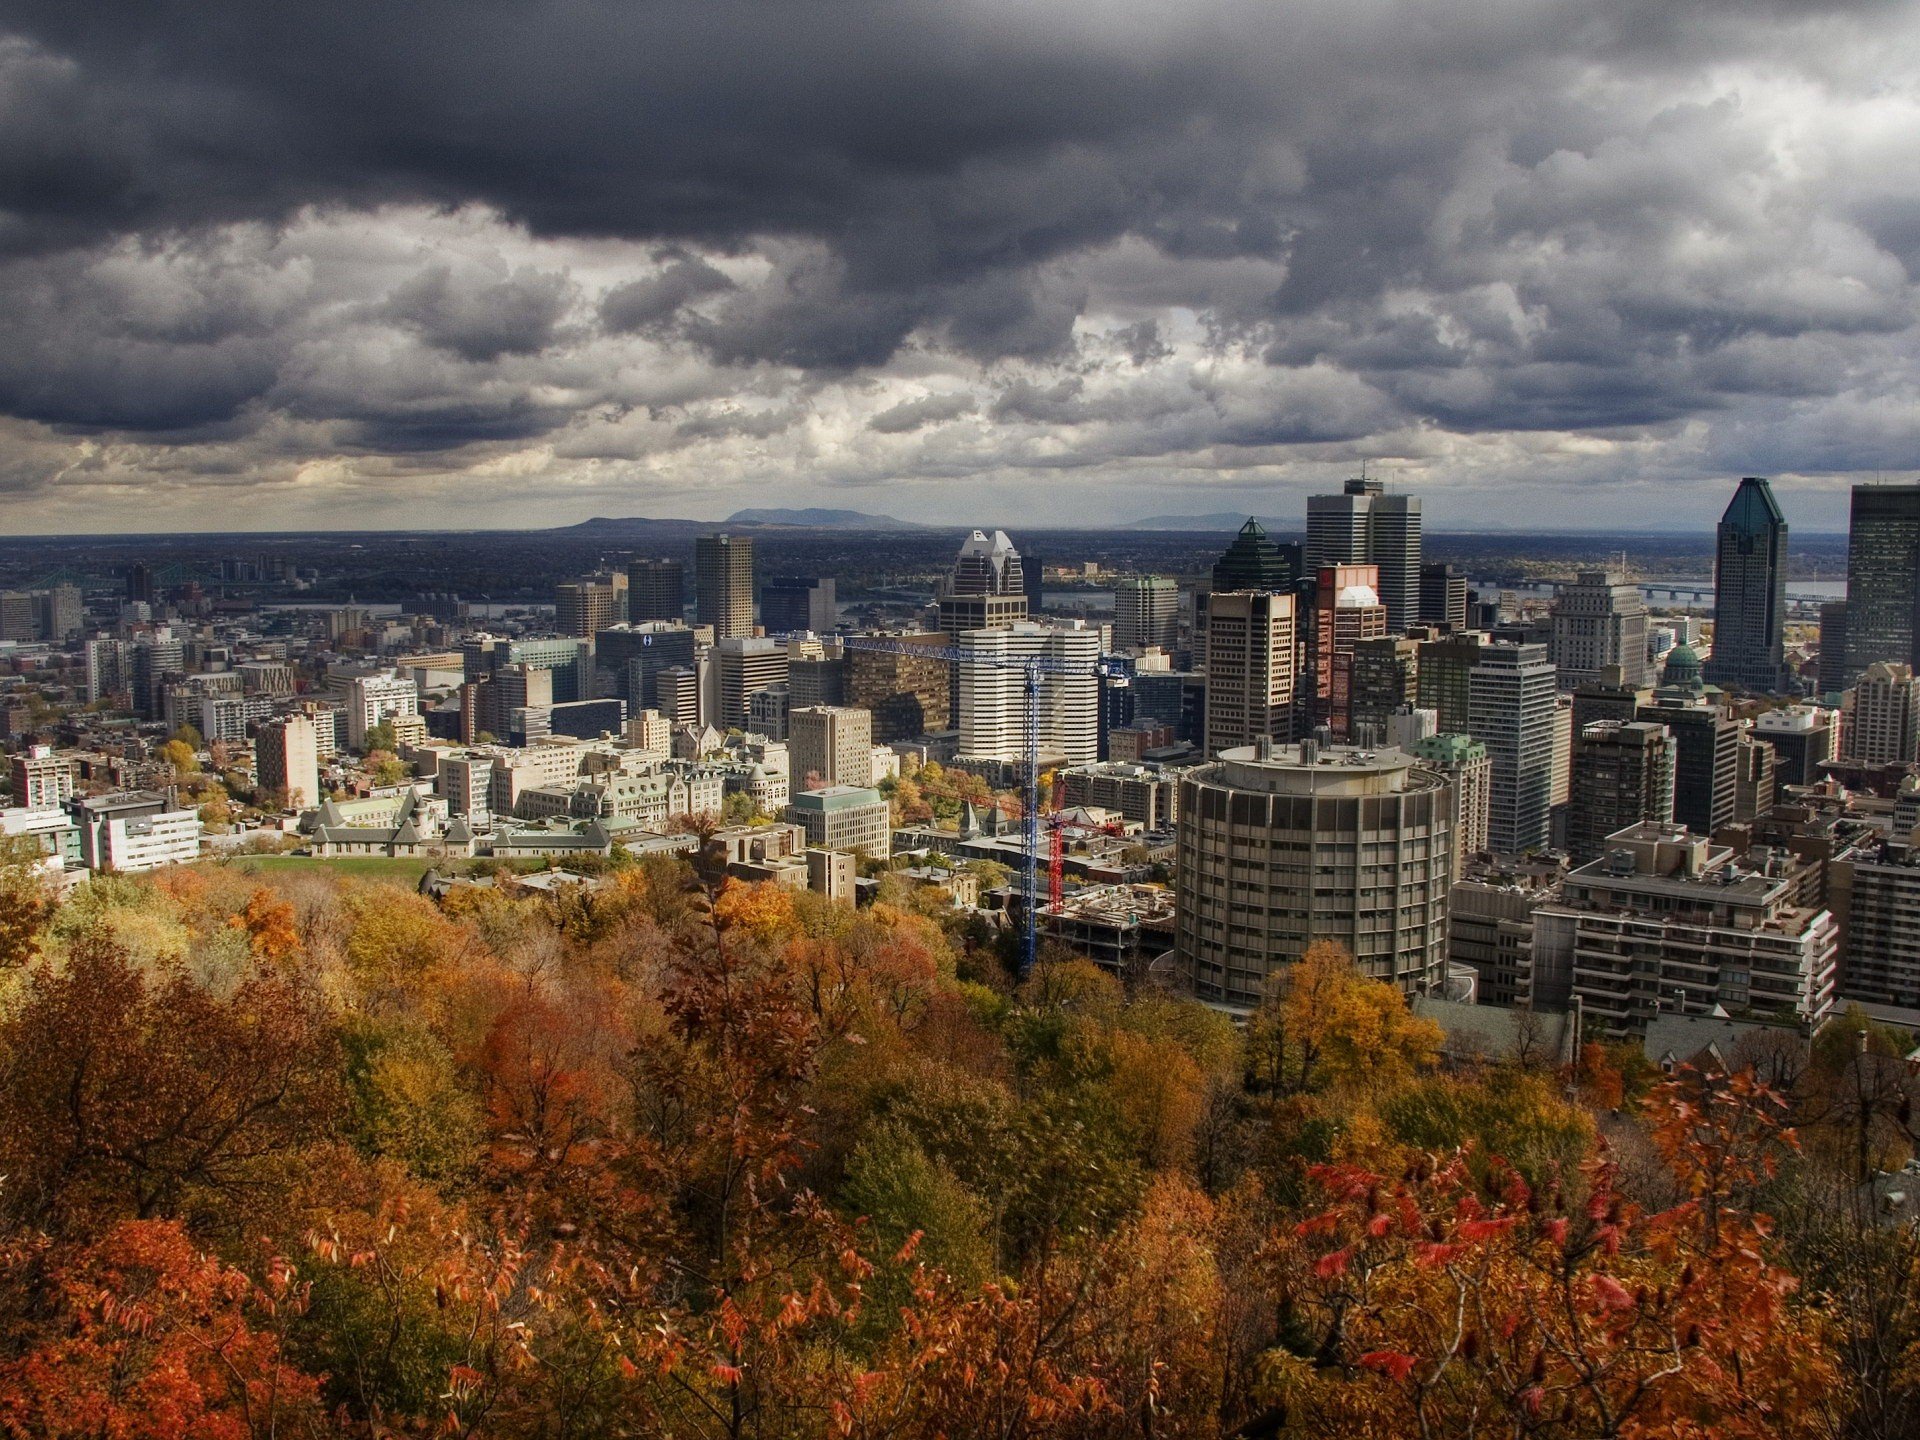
[445,224]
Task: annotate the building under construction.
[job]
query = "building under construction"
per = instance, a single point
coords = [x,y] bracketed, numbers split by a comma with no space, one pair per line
[1121,928]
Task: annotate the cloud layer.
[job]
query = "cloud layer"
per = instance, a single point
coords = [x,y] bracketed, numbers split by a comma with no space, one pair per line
[493,262]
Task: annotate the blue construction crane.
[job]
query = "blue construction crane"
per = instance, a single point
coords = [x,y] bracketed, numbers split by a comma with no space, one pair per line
[1034,670]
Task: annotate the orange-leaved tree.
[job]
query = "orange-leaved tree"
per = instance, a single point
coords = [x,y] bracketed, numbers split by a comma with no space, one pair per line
[1429,1303]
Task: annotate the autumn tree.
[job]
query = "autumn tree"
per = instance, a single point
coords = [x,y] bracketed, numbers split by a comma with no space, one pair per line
[1432,1302]
[129,1094]
[139,1336]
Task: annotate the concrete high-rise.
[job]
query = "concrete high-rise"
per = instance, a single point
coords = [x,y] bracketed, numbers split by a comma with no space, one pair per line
[1750,593]
[1347,609]
[1831,677]
[1883,727]
[992,687]
[829,745]
[723,584]
[1146,612]
[1883,577]
[1600,621]
[1802,740]
[656,590]
[1250,668]
[1512,710]
[1622,776]
[1363,525]
[1281,846]
[1705,765]
[286,757]
[43,780]
[742,665]
[1469,772]
[1443,596]
[797,602]
[580,607]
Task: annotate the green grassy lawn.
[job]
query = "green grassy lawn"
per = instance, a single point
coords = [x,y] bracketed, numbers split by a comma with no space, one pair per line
[400,869]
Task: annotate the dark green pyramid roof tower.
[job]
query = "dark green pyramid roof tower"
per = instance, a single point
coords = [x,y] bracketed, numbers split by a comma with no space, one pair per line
[1750,593]
[1255,562]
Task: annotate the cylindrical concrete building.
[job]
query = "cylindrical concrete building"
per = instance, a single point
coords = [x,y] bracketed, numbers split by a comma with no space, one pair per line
[1280,846]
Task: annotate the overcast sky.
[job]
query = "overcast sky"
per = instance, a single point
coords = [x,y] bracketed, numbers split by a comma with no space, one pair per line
[484,262]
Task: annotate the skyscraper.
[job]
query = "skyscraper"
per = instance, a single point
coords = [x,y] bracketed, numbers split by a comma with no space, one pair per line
[723,584]
[1363,525]
[987,590]
[287,759]
[1512,711]
[1750,592]
[1146,611]
[1346,610]
[580,607]
[1883,727]
[1883,577]
[992,716]
[656,590]
[1600,621]
[1443,596]
[1250,665]
[829,745]
[796,602]
[1622,776]
[1255,562]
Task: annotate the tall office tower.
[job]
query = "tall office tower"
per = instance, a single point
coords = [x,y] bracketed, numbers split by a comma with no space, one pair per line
[286,757]
[580,607]
[1608,698]
[1255,562]
[1443,596]
[1346,610]
[723,584]
[1832,677]
[629,656]
[1883,577]
[1146,612]
[1666,921]
[815,682]
[1755,779]
[1363,525]
[988,565]
[154,660]
[1622,776]
[1033,572]
[1802,740]
[904,687]
[993,724]
[1599,621]
[1884,726]
[1444,667]
[1386,670]
[1750,593]
[63,615]
[107,668]
[795,602]
[140,584]
[1705,739]
[744,664]
[1468,769]
[656,590]
[987,590]
[1279,846]
[1250,665]
[1511,709]
[829,745]
[678,692]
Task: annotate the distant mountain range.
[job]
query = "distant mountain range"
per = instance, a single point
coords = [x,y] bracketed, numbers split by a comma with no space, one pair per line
[1218,520]
[618,525]
[819,519]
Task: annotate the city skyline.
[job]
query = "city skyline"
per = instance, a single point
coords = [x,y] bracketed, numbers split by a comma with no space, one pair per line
[345,270]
